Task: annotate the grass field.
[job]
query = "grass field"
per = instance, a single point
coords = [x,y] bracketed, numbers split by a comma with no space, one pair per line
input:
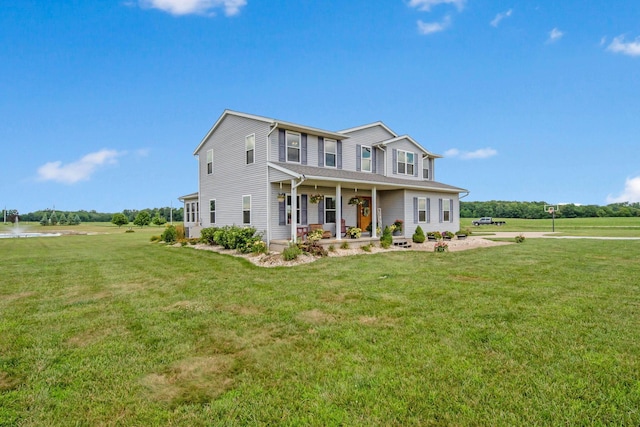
[110,329]
[606,227]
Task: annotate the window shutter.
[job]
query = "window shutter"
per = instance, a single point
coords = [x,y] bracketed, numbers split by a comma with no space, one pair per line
[303,151]
[282,212]
[321,212]
[358,156]
[415,210]
[394,157]
[428,209]
[440,208]
[415,164]
[450,210]
[282,150]
[373,159]
[320,151]
[339,149]
[303,209]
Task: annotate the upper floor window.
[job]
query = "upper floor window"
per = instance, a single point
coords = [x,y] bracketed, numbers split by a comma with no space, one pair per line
[209,162]
[250,148]
[293,147]
[425,170]
[330,153]
[405,162]
[365,159]
[246,209]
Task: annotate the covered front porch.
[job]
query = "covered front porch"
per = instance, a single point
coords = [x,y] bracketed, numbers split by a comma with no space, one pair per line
[400,241]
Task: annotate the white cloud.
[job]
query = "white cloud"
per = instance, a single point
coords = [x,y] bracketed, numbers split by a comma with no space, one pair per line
[426,5]
[554,35]
[499,17]
[631,192]
[433,27]
[198,7]
[618,45]
[482,153]
[77,171]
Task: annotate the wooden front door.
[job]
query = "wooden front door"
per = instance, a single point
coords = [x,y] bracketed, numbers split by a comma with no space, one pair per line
[364,213]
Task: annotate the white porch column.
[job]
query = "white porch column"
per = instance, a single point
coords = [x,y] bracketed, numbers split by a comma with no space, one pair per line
[374,213]
[294,209]
[339,212]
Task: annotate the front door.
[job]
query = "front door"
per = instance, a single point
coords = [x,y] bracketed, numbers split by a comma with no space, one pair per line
[364,213]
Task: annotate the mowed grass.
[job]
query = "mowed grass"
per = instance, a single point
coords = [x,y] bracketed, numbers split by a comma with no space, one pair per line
[113,330]
[605,227]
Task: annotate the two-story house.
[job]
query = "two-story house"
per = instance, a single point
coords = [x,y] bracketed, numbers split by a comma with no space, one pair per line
[279,177]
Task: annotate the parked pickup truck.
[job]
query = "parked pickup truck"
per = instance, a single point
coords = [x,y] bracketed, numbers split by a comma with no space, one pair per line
[487,220]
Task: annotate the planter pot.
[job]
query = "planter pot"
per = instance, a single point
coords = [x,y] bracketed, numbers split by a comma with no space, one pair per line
[462,236]
[397,233]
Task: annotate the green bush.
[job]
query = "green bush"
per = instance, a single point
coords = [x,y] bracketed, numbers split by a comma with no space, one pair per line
[155,238]
[366,248]
[387,239]
[344,245]
[520,238]
[207,235]
[170,235]
[418,235]
[292,252]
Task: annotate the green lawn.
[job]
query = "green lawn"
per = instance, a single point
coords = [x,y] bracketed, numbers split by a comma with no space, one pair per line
[110,329]
[607,227]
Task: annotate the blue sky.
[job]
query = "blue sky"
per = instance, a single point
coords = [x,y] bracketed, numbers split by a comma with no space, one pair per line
[103,102]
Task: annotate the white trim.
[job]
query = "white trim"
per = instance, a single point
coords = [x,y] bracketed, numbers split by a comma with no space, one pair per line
[215,211]
[284,170]
[426,213]
[207,161]
[286,148]
[411,140]
[335,153]
[406,162]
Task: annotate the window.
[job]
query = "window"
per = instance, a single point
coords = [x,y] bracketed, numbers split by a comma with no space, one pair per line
[250,148]
[209,162]
[188,206]
[446,210]
[405,162]
[422,209]
[212,211]
[330,153]
[246,209]
[293,147]
[425,170]
[329,209]
[193,212]
[298,204]
[365,159]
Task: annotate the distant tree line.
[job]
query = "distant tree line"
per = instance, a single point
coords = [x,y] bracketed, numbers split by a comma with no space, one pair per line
[93,216]
[535,210]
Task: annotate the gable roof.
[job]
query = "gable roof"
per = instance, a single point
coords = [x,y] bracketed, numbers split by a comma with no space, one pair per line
[411,140]
[370,125]
[274,123]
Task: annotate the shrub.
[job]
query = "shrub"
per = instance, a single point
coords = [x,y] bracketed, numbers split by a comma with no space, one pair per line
[344,245]
[155,238]
[418,235]
[449,235]
[180,232]
[313,248]
[292,252]
[520,238]
[207,235]
[366,248]
[259,247]
[170,235]
[129,230]
[315,235]
[386,240]
[332,248]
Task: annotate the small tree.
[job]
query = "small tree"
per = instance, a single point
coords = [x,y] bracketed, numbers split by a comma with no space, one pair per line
[75,221]
[53,219]
[386,240]
[159,220]
[119,219]
[143,218]
[418,236]
[44,220]
[63,219]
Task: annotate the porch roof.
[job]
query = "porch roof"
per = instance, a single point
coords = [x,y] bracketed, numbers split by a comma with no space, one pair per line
[192,196]
[362,180]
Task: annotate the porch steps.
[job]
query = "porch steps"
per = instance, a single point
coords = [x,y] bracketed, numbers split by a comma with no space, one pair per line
[402,243]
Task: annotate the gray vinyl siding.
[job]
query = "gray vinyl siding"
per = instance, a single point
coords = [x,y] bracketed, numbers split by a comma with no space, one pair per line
[232,178]
[435,224]
[369,135]
[392,204]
